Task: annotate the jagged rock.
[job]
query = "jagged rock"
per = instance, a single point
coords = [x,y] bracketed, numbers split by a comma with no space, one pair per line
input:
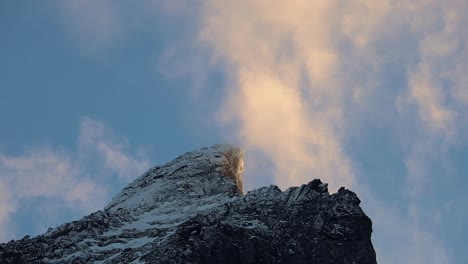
[192,210]
[319,186]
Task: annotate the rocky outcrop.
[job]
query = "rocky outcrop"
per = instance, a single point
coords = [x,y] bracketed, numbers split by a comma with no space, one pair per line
[192,210]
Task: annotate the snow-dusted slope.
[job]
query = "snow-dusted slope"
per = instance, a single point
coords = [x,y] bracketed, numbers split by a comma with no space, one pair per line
[191,180]
[192,210]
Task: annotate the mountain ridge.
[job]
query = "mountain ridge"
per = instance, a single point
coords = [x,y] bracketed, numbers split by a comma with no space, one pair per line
[193,210]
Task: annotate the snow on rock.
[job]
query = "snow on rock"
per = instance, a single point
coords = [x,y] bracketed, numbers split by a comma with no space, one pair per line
[199,174]
[192,210]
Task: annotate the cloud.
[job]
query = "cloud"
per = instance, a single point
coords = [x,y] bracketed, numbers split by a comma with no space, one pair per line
[95,138]
[58,180]
[400,239]
[297,76]
[437,85]
[284,93]
[40,172]
[304,78]
[436,89]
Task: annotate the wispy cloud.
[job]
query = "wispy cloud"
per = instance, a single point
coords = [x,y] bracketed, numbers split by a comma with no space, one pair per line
[97,25]
[99,142]
[305,77]
[56,177]
[39,172]
[400,238]
[283,92]
[47,174]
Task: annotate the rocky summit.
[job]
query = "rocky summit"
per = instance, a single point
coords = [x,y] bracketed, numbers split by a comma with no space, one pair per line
[193,210]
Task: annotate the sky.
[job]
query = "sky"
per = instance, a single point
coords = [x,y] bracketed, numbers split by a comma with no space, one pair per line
[371,95]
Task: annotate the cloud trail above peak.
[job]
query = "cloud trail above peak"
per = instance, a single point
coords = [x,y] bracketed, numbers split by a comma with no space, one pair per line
[298,77]
[308,79]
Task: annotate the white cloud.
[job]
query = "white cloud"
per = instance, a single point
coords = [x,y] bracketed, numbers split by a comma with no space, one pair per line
[303,76]
[62,180]
[284,91]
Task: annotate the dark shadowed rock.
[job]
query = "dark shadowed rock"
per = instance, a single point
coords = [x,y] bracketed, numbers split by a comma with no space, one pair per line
[319,186]
[192,210]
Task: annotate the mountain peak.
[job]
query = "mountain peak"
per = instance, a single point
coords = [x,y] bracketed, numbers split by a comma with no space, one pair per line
[197,174]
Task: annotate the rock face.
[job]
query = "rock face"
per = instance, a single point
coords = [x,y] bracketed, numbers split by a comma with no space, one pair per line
[192,210]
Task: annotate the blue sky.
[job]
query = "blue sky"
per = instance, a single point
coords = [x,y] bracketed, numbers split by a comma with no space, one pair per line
[372,95]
